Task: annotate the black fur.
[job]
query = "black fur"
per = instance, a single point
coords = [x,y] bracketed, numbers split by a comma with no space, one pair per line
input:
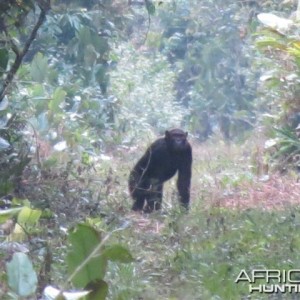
[161,161]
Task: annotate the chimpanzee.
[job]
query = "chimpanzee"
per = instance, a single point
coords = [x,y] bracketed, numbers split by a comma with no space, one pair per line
[161,161]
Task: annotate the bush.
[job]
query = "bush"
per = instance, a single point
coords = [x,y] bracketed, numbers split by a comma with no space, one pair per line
[144,89]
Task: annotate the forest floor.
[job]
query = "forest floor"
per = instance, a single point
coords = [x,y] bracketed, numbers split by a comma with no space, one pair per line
[243,216]
[238,177]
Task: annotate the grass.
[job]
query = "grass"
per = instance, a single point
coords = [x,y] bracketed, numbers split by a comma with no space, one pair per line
[199,255]
[237,221]
[240,219]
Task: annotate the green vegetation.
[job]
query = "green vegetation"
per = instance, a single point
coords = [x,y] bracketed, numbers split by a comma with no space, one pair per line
[85,86]
[236,222]
[200,255]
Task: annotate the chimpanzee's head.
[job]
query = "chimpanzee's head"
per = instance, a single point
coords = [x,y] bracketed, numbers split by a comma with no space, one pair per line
[176,140]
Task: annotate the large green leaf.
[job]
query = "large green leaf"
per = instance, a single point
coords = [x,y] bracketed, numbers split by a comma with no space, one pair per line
[84,239]
[28,216]
[8,213]
[22,278]
[39,68]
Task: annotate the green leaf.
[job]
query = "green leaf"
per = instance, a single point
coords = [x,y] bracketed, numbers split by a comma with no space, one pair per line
[84,37]
[118,253]
[37,91]
[295,50]
[4,56]
[270,42]
[99,290]
[6,186]
[84,240]
[28,216]
[58,98]
[150,7]
[8,213]
[22,278]
[39,68]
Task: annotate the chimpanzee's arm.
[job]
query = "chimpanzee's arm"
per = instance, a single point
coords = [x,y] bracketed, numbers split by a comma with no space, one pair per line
[146,162]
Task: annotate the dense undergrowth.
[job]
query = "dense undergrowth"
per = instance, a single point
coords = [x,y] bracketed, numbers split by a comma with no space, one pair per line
[239,220]
[199,256]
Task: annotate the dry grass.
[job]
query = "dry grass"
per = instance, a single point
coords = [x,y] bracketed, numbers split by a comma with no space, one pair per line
[230,176]
[276,192]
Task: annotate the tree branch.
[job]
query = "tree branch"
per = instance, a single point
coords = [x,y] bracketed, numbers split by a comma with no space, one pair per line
[44,6]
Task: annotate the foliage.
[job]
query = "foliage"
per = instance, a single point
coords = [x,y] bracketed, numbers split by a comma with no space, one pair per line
[201,255]
[280,75]
[139,84]
[87,260]
[14,153]
[103,75]
[286,148]
[11,40]
[230,242]
[211,57]
[177,255]
[22,278]
[279,42]
[87,263]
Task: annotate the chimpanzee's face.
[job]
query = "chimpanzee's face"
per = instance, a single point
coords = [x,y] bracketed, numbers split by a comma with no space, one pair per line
[176,140]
